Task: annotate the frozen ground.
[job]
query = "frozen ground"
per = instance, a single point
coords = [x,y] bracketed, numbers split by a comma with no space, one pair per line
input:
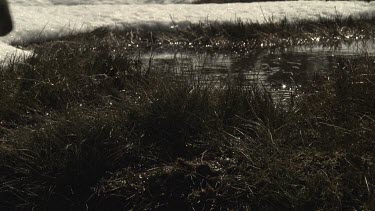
[57,17]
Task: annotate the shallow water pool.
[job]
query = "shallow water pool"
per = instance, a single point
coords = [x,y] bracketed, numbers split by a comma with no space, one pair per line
[281,71]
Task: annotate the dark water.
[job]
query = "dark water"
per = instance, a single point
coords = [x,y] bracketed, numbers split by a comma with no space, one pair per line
[281,71]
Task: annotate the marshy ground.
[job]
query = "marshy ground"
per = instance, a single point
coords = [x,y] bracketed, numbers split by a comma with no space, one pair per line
[87,123]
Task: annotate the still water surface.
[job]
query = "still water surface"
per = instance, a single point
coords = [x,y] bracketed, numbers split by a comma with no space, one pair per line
[281,71]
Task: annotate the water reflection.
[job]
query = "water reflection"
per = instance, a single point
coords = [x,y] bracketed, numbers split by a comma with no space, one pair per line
[281,71]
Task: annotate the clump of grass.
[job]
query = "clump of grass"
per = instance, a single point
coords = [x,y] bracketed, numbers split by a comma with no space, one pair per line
[177,115]
[234,36]
[56,163]
[347,108]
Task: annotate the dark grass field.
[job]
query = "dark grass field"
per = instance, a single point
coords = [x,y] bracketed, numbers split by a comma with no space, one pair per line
[85,124]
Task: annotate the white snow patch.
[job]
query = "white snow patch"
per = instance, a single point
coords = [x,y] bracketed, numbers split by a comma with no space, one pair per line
[95,2]
[51,18]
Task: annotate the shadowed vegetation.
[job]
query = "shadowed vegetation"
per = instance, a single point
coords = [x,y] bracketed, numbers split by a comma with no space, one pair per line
[85,124]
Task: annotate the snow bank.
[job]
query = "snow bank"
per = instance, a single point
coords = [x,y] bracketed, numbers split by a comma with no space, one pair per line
[49,18]
[95,2]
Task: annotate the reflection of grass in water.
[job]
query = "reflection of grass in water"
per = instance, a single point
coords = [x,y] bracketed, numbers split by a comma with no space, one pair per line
[86,124]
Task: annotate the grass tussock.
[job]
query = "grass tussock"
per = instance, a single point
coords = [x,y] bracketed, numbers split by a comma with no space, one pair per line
[88,125]
[236,36]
